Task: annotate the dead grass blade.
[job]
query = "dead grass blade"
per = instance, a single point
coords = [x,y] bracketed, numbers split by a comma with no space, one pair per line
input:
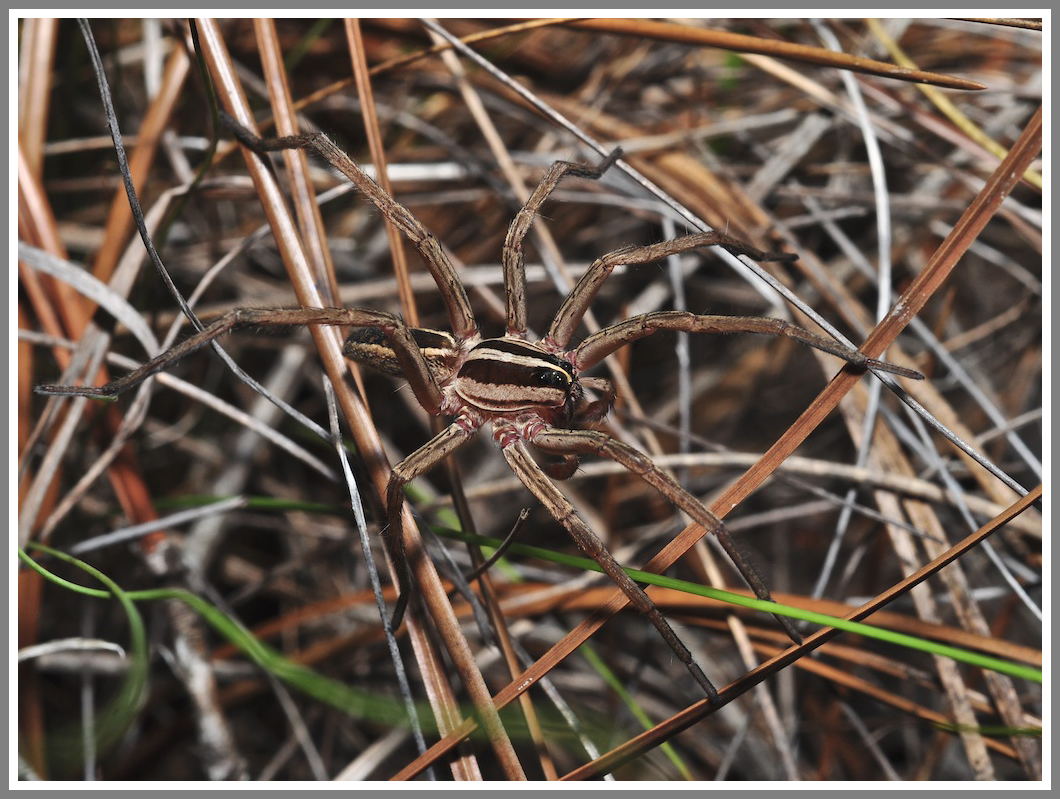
[702,37]
[330,347]
[767,149]
[913,299]
[697,712]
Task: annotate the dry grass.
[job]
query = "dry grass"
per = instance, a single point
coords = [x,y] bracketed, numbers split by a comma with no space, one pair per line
[767,148]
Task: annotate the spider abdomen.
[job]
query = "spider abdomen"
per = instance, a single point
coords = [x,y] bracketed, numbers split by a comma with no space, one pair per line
[369,346]
[504,375]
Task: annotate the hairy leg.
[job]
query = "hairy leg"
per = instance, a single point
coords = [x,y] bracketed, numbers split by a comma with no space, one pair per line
[512,255]
[604,342]
[534,479]
[418,463]
[405,348]
[462,321]
[594,442]
[577,302]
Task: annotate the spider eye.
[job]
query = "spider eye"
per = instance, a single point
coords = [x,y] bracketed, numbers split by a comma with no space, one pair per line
[553,378]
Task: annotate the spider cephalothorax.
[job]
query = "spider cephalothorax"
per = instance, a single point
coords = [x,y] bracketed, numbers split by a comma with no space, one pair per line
[502,377]
[531,393]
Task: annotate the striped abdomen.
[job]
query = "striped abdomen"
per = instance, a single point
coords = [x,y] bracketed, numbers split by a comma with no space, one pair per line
[370,347]
[503,375]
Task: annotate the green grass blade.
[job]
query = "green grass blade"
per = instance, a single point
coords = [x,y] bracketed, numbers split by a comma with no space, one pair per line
[634,707]
[899,639]
[66,747]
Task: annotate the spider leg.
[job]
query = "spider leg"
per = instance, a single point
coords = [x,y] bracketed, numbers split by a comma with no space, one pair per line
[462,321]
[512,254]
[597,409]
[418,463]
[519,458]
[595,442]
[604,342]
[420,377]
[574,306]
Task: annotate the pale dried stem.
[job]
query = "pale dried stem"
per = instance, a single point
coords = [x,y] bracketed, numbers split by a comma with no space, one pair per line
[330,347]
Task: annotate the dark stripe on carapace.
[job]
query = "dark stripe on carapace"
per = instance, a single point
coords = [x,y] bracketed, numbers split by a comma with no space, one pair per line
[370,347]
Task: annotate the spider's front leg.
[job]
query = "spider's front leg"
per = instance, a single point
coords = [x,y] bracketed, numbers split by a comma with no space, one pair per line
[531,475]
[606,341]
[512,254]
[577,302]
[595,442]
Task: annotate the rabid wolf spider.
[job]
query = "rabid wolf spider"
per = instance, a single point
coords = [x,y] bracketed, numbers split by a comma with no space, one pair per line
[528,392]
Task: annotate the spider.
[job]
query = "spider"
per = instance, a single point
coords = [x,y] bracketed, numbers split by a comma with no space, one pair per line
[529,393]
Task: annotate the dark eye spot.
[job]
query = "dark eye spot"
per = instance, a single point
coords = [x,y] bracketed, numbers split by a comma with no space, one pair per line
[552,378]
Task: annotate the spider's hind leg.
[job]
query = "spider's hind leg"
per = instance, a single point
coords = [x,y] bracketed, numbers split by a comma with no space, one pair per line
[242,318]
